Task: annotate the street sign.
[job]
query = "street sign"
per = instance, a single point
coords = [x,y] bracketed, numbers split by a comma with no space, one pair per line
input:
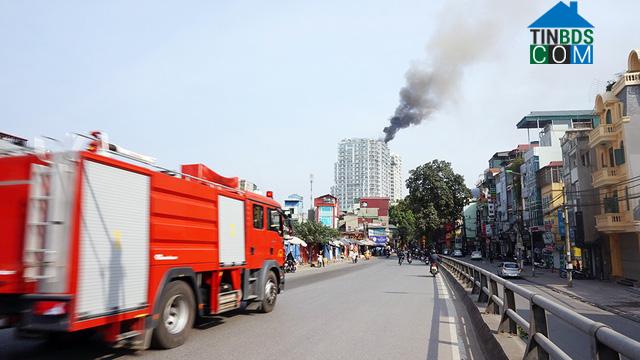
[561,228]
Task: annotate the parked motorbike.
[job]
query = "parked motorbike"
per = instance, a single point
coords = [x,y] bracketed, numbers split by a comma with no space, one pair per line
[433,269]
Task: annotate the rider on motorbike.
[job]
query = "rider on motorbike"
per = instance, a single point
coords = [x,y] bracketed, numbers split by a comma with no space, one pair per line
[433,258]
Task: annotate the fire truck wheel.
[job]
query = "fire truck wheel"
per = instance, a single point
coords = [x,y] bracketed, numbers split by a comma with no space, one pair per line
[177,314]
[270,293]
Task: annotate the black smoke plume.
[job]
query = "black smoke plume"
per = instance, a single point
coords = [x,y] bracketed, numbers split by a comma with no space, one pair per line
[463,36]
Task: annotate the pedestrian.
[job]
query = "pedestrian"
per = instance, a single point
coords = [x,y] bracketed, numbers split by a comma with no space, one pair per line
[320,261]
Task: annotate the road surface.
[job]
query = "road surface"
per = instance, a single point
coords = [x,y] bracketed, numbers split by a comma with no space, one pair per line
[371,310]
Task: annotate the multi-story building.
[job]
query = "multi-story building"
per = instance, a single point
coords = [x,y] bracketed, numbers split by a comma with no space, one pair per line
[327,210]
[470,219]
[485,221]
[363,169]
[554,125]
[614,139]
[580,197]
[295,205]
[396,183]
[507,198]
[551,186]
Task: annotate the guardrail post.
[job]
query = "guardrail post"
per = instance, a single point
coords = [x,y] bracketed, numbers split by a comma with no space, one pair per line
[482,296]
[474,288]
[506,323]
[467,279]
[492,306]
[599,350]
[537,325]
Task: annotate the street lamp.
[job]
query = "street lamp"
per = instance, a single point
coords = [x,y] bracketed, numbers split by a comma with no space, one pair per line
[533,262]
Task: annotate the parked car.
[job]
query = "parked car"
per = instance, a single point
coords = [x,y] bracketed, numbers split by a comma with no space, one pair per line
[476,255]
[445,252]
[508,269]
[457,253]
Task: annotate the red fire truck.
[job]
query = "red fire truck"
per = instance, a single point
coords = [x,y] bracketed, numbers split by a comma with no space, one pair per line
[102,239]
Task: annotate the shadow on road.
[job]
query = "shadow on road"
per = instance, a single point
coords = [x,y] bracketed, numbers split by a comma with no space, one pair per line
[434,332]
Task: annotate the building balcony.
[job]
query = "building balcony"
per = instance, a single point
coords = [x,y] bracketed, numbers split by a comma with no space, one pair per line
[605,133]
[627,79]
[608,176]
[617,222]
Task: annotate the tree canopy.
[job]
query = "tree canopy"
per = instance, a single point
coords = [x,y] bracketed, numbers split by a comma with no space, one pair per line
[315,233]
[403,218]
[437,195]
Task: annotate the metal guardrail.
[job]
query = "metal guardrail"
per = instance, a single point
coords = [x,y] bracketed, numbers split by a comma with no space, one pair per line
[606,343]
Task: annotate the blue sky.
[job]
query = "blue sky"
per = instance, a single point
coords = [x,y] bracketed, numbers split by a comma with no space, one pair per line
[265,90]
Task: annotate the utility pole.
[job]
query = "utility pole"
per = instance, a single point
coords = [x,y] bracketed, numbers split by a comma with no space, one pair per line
[311,193]
[569,263]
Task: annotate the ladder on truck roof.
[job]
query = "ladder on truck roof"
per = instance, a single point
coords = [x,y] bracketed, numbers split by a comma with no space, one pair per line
[46,210]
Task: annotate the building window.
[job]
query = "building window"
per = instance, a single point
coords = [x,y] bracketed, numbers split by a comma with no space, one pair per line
[619,154]
[608,117]
[612,160]
[258,217]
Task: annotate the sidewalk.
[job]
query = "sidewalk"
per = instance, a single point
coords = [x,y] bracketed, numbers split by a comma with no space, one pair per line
[303,268]
[606,295]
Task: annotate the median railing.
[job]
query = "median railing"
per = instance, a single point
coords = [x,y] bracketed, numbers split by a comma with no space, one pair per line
[606,343]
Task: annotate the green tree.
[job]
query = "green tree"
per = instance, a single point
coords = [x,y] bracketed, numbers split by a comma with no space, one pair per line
[437,195]
[403,218]
[315,233]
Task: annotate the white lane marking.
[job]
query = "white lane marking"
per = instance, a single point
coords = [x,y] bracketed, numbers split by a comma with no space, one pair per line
[451,320]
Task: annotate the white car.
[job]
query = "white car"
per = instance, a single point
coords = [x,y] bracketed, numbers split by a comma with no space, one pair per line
[476,255]
[508,269]
[457,253]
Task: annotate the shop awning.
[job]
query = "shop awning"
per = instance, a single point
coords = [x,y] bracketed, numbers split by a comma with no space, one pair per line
[297,241]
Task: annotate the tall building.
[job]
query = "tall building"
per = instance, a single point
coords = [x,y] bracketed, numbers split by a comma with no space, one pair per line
[396,178]
[363,169]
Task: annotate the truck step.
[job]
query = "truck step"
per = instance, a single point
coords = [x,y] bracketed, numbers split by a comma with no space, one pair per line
[253,279]
[128,335]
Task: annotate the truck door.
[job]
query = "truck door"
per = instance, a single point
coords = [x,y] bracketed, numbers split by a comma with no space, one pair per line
[255,234]
[274,238]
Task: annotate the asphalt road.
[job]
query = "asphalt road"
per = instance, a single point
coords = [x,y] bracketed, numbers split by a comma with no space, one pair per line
[372,310]
[574,343]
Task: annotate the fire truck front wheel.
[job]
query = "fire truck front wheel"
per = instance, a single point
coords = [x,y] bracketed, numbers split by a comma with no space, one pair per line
[177,314]
[270,293]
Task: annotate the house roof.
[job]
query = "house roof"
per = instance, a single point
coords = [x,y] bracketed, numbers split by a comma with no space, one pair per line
[553,164]
[540,119]
[562,16]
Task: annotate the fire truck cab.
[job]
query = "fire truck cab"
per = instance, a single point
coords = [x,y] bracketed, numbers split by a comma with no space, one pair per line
[105,240]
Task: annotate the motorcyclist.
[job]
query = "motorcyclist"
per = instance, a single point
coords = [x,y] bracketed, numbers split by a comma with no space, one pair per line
[291,262]
[400,256]
[434,258]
